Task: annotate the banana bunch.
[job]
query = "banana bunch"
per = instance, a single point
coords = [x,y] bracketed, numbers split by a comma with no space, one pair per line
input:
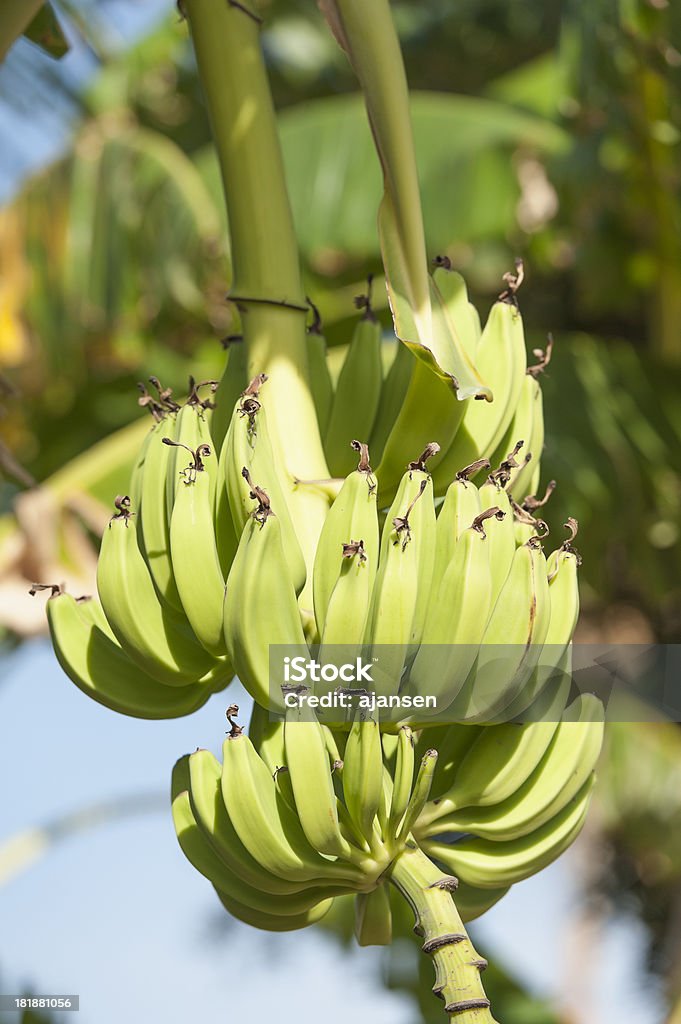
[459,605]
[405,409]
[297,815]
[151,643]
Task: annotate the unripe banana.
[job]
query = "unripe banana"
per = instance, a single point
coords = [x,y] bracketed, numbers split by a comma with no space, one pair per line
[512,641]
[271,923]
[457,619]
[269,830]
[157,640]
[357,394]
[555,661]
[460,507]
[203,857]
[351,519]
[95,662]
[363,775]
[402,588]
[153,523]
[391,398]
[208,807]
[307,761]
[196,566]
[260,606]
[502,543]
[403,779]
[565,766]
[247,456]
[419,794]
[461,313]
[487,864]
[528,424]
[232,384]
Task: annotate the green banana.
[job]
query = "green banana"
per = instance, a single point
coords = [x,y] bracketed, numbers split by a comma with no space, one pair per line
[352,519]
[402,587]
[153,524]
[461,313]
[391,398]
[260,607]
[565,766]
[247,455]
[307,760]
[271,923]
[457,619]
[363,775]
[232,383]
[487,864]
[203,857]
[212,817]
[357,394]
[512,641]
[460,507]
[403,779]
[196,564]
[156,639]
[95,662]
[267,827]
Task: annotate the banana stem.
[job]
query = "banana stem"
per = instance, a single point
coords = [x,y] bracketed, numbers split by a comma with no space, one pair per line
[266,286]
[457,965]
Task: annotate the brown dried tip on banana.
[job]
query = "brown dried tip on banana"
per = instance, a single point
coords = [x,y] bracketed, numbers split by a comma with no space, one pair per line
[194,397]
[467,472]
[568,545]
[230,714]
[441,261]
[544,357]
[502,475]
[354,547]
[122,504]
[264,509]
[54,588]
[147,402]
[490,513]
[165,395]
[431,449]
[364,301]
[513,283]
[401,523]
[250,403]
[531,502]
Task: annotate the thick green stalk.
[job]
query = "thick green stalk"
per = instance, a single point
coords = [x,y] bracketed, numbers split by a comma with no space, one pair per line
[266,286]
[367,34]
[457,965]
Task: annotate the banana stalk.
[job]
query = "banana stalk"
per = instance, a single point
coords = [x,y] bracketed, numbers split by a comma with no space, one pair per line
[457,965]
[266,285]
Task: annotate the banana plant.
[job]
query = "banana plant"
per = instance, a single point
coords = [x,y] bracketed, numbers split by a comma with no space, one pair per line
[245,526]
